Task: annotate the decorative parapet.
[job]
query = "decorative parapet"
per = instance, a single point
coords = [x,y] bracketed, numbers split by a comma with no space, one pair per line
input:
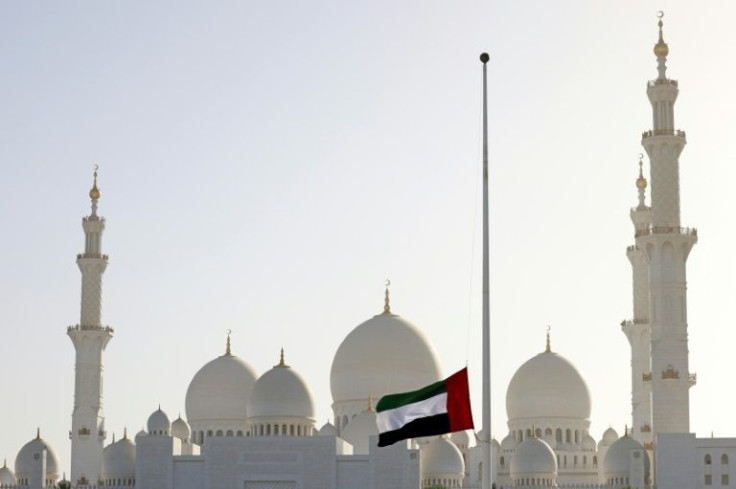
[665,81]
[670,373]
[632,322]
[646,377]
[92,255]
[645,429]
[663,132]
[83,431]
[77,327]
[647,230]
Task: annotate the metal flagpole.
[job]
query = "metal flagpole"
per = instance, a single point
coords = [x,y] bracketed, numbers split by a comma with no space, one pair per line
[486,439]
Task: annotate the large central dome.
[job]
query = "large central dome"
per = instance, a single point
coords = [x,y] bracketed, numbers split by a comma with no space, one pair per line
[547,386]
[383,355]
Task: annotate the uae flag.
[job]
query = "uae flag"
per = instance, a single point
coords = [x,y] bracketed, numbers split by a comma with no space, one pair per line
[442,407]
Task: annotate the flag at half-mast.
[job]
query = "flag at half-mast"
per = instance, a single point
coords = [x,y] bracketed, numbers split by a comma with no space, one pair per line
[442,407]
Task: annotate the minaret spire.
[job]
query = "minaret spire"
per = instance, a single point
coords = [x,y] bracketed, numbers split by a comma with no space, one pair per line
[661,50]
[641,185]
[90,339]
[387,298]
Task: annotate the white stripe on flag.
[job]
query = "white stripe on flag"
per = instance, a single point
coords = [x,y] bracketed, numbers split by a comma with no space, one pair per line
[393,419]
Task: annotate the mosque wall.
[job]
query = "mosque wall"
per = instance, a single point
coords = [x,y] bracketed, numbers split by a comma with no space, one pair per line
[154,462]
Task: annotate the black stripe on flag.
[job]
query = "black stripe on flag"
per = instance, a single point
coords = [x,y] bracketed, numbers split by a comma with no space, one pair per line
[428,426]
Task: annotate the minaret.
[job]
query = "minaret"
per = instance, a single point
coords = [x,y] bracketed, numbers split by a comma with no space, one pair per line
[637,329]
[90,338]
[667,245]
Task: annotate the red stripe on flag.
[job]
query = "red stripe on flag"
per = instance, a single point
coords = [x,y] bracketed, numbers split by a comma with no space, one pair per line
[458,401]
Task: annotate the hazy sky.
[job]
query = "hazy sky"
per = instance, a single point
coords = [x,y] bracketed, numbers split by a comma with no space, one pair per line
[264,166]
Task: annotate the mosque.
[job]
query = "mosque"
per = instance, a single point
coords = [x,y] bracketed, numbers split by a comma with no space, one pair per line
[259,432]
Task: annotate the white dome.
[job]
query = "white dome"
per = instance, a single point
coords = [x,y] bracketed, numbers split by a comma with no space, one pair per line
[6,475]
[547,386]
[383,355]
[158,423]
[25,462]
[589,443]
[142,432]
[616,463]
[328,429]
[509,443]
[181,429]
[359,430]
[281,393]
[533,457]
[461,439]
[219,391]
[609,436]
[119,459]
[441,458]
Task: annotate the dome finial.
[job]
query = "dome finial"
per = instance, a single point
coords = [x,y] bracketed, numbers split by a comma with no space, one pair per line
[661,50]
[125,433]
[282,363]
[370,404]
[94,193]
[38,433]
[548,348]
[227,345]
[387,299]
[113,437]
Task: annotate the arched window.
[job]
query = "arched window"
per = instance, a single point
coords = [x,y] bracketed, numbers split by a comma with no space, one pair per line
[502,461]
[528,433]
[558,435]
[568,436]
[585,460]
[240,433]
[577,436]
[724,459]
[575,461]
[707,459]
[595,461]
[548,432]
[219,433]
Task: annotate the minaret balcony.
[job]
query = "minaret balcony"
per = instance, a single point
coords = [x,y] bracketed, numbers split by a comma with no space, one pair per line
[81,256]
[79,327]
[645,429]
[692,379]
[646,377]
[649,230]
[664,81]
[663,132]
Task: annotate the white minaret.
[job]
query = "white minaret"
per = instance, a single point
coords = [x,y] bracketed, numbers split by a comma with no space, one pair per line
[637,329]
[667,245]
[90,338]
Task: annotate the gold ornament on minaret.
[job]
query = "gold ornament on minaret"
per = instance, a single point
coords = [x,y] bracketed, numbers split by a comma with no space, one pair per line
[661,50]
[94,192]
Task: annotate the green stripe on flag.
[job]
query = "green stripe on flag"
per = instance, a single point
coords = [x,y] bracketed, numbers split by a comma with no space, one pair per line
[393,401]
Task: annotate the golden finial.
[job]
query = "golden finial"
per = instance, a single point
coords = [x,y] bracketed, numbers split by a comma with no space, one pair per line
[282,363]
[387,300]
[641,182]
[626,430]
[548,348]
[227,344]
[38,433]
[661,50]
[94,193]
[370,404]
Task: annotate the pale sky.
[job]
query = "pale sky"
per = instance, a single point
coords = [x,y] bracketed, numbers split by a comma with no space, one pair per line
[265,166]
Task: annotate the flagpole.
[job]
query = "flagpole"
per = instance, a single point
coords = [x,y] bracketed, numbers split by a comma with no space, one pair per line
[486,439]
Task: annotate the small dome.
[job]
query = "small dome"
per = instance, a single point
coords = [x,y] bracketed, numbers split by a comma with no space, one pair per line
[385,354]
[533,457]
[589,443]
[219,391]
[180,429]
[158,423]
[547,386]
[509,443]
[142,432]
[609,436]
[6,475]
[441,459]
[461,439]
[616,463]
[359,430]
[119,459]
[328,429]
[26,462]
[281,392]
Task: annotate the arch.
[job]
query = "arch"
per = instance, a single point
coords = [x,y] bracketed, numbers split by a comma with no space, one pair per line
[707,459]
[229,433]
[219,433]
[724,459]
[558,435]
[502,461]
[568,435]
[538,432]
[548,432]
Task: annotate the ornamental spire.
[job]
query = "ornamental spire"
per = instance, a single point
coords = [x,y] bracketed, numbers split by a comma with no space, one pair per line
[387,299]
[661,50]
[641,183]
[94,193]
[227,344]
[282,363]
[548,348]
